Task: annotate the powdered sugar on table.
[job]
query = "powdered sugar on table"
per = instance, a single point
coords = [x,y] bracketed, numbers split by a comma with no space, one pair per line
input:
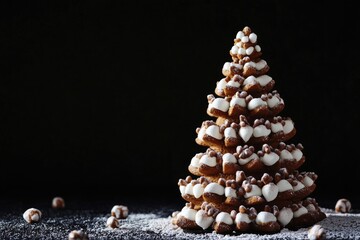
[154,225]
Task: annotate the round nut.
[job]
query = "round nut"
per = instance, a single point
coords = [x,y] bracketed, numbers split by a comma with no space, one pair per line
[58,202]
[32,215]
[78,235]
[316,232]
[119,211]
[343,206]
[112,222]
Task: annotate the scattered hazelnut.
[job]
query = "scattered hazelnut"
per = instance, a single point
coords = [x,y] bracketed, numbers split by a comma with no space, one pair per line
[112,222]
[316,232]
[78,235]
[119,211]
[343,206]
[32,215]
[58,202]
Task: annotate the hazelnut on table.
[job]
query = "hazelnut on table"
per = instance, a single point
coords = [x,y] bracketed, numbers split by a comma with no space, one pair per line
[78,235]
[343,206]
[112,222]
[32,215]
[58,202]
[120,211]
[316,232]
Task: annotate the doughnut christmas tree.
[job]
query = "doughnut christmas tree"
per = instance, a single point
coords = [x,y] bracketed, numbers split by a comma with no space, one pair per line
[248,178]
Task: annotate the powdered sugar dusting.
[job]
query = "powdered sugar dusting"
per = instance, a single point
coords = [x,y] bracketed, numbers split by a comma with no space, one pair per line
[155,224]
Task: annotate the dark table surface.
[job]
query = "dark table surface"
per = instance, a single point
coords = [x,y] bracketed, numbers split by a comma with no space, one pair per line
[149,218]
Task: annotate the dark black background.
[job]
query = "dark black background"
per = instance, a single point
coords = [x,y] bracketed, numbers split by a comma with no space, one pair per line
[103,98]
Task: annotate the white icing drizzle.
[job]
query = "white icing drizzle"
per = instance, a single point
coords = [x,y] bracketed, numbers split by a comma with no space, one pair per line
[221,84]
[230,192]
[253,37]
[297,154]
[198,190]
[241,50]
[250,80]
[220,104]
[265,217]
[308,181]
[229,132]
[270,159]
[246,133]
[276,127]
[234,49]
[284,185]
[233,83]
[237,101]
[260,65]
[257,65]
[261,131]
[215,188]
[228,158]
[214,131]
[286,155]
[239,35]
[289,126]
[273,102]
[242,217]
[245,39]
[301,211]
[227,68]
[262,80]
[224,217]
[249,50]
[285,216]
[195,161]
[255,103]
[311,208]
[255,191]
[182,190]
[243,161]
[270,191]
[188,213]
[203,220]
[201,133]
[207,160]
[189,189]
[298,186]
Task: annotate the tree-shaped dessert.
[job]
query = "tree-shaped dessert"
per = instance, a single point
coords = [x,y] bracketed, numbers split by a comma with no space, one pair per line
[248,178]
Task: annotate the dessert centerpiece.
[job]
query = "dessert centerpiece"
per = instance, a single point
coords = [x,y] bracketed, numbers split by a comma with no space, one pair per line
[247,179]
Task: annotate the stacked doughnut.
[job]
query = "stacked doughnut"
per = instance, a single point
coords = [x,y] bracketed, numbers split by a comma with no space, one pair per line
[248,178]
